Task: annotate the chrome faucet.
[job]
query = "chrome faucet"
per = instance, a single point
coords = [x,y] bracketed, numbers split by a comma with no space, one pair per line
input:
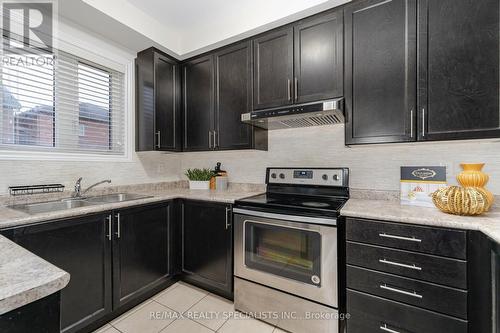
[78,187]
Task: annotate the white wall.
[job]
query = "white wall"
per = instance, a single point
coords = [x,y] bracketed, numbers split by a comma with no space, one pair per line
[191,27]
[372,167]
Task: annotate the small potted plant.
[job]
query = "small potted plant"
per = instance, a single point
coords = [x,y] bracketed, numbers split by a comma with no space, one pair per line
[199,179]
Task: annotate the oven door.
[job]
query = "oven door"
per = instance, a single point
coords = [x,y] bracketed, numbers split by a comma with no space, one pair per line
[296,257]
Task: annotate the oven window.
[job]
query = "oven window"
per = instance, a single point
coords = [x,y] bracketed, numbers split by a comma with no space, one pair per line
[287,252]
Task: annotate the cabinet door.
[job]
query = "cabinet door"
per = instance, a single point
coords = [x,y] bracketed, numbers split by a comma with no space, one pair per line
[319,58]
[380,69]
[458,69]
[199,104]
[167,106]
[82,248]
[207,246]
[273,68]
[140,251]
[233,96]
[145,102]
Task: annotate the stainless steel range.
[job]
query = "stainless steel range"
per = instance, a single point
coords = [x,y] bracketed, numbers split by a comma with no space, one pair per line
[285,258]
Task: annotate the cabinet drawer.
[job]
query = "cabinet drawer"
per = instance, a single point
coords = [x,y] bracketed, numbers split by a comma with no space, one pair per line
[430,296]
[375,314]
[449,272]
[443,242]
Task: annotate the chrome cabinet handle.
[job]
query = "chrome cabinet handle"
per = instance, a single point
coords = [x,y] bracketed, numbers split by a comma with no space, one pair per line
[411,123]
[387,329]
[410,239]
[423,122]
[158,138]
[210,139]
[118,229]
[216,145]
[109,219]
[399,291]
[289,89]
[296,88]
[388,262]
[228,210]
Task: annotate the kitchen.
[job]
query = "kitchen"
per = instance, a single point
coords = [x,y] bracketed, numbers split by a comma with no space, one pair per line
[314,110]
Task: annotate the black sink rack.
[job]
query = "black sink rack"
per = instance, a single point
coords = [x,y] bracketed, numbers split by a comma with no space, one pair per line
[35,189]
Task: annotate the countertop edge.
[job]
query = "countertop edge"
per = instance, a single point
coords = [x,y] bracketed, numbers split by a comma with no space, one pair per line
[29,292]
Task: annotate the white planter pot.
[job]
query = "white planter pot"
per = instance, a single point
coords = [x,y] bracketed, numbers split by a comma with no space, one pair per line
[199,185]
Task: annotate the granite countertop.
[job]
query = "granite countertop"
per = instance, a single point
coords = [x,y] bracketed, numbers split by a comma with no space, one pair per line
[388,210]
[25,277]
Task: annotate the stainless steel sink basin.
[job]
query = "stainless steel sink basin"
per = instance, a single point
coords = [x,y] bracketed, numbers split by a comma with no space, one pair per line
[52,206]
[116,197]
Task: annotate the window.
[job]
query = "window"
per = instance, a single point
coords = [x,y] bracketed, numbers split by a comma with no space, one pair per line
[62,103]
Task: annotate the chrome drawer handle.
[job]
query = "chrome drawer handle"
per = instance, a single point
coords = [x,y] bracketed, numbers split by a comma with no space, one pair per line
[118,232]
[109,219]
[387,329]
[399,291]
[411,239]
[415,267]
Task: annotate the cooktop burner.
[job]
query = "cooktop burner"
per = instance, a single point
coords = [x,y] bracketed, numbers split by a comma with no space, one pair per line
[304,191]
[295,202]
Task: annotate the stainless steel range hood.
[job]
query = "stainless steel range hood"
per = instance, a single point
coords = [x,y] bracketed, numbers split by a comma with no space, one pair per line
[299,115]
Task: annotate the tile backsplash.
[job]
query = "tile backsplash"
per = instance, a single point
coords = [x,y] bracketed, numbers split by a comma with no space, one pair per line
[372,166]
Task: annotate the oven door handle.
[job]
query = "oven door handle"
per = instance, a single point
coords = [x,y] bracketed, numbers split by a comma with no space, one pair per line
[295,218]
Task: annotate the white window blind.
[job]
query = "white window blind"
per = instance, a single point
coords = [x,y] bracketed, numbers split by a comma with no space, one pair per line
[62,103]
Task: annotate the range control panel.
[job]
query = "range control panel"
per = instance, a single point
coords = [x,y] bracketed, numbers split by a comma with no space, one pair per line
[308,176]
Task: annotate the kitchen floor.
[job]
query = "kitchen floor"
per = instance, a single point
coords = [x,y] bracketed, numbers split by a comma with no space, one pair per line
[183,308]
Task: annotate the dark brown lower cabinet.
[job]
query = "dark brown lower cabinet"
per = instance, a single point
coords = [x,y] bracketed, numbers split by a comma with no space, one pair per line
[81,247]
[115,260]
[374,314]
[207,251]
[140,251]
[44,314]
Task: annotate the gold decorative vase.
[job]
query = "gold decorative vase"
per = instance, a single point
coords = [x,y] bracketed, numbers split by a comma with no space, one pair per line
[461,200]
[473,176]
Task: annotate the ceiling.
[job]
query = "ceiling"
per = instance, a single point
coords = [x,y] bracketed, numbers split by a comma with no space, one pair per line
[190,27]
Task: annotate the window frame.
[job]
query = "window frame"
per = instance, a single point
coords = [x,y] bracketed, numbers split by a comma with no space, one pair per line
[107,56]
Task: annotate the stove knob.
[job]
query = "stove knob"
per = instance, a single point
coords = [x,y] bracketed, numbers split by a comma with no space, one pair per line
[282,175]
[273,176]
[336,177]
[325,177]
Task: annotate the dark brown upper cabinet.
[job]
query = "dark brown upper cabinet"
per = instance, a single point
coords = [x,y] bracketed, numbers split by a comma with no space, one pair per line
[217,90]
[273,57]
[380,71]
[299,63]
[198,88]
[458,81]
[318,58]
[451,91]
[233,97]
[158,102]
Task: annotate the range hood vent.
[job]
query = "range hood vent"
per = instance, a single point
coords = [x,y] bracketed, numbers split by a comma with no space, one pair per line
[303,115]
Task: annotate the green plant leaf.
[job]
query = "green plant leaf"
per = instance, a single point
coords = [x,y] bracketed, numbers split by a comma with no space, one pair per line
[199,174]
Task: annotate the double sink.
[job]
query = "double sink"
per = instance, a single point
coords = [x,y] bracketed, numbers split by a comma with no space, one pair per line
[69,203]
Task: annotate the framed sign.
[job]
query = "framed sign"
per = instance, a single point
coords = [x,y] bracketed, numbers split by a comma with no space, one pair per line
[418,184]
